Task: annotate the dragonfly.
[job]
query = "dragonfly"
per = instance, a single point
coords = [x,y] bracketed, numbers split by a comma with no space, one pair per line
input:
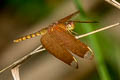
[58,40]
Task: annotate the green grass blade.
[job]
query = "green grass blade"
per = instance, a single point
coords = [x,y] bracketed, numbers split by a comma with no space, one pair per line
[101,67]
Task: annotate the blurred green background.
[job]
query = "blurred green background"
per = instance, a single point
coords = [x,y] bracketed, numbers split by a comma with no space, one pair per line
[21,17]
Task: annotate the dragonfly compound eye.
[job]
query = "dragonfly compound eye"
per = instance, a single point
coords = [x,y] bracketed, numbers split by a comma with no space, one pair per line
[70,26]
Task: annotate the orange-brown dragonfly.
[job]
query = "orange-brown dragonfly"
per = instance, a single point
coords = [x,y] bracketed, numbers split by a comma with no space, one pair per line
[59,41]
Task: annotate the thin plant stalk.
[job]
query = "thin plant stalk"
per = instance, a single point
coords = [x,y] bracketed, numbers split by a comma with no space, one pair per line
[114,3]
[21,60]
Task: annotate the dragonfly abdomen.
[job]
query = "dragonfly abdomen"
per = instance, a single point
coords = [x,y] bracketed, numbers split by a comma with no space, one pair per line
[29,36]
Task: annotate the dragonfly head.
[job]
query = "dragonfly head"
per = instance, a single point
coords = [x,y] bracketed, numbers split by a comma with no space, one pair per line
[70,25]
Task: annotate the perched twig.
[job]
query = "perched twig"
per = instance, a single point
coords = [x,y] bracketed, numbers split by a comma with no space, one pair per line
[98,30]
[40,49]
[114,3]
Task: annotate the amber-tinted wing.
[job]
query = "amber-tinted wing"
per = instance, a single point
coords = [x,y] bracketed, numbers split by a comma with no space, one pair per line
[68,17]
[52,46]
[67,40]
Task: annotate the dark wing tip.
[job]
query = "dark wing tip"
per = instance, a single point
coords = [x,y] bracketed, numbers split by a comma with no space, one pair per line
[74,63]
[89,54]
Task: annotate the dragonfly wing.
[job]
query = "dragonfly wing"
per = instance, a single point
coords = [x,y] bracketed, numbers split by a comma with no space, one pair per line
[67,40]
[68,17]
[52,46]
